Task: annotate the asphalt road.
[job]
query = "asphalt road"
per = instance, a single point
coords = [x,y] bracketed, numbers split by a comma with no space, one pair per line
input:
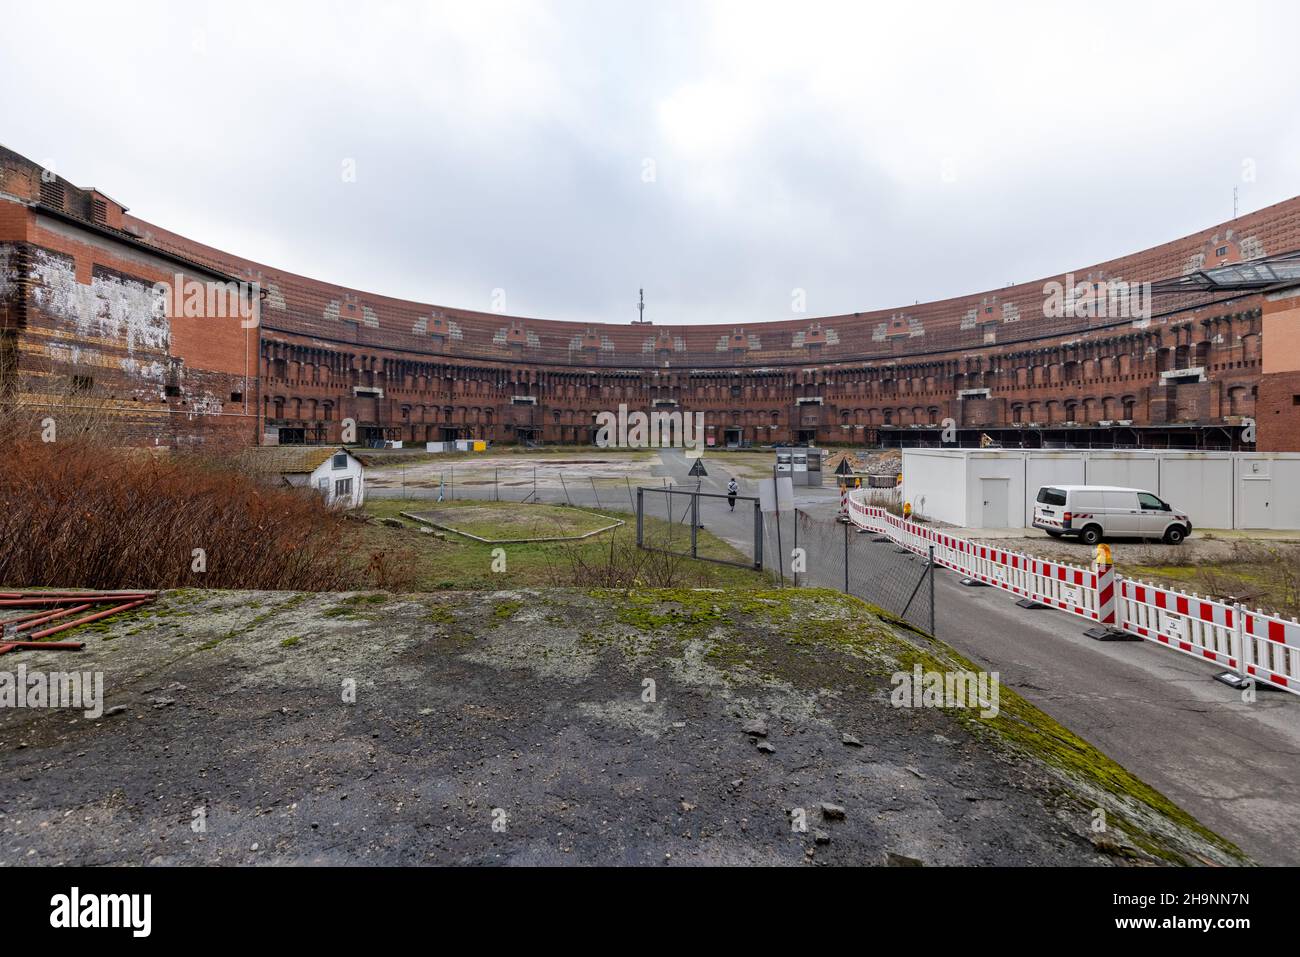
[1233,765]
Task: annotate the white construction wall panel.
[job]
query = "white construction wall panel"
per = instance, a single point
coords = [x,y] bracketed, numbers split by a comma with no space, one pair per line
[1286,492]
[935,483]
[1199,485]
[1125,469]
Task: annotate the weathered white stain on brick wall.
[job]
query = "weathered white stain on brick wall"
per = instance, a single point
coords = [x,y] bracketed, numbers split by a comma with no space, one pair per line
[130,313]
[71,354]
[205,404]
[1251,247]
[8,263]
[149,371]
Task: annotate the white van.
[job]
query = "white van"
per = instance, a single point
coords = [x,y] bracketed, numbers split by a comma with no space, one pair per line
[1094,512]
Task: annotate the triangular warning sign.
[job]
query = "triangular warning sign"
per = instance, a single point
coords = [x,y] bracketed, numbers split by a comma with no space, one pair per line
[844,468]
[698,468]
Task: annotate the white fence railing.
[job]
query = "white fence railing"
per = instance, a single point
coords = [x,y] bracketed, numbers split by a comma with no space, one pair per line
[1248,642]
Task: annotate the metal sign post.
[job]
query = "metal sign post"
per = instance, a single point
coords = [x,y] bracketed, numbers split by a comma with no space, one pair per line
[770,496]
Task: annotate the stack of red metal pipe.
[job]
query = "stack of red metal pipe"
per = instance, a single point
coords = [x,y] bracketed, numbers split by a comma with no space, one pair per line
[57,611]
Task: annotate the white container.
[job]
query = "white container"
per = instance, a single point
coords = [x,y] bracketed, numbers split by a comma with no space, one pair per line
[996,488]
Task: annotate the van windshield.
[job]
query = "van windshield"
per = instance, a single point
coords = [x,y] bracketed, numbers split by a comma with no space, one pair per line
[1051,496]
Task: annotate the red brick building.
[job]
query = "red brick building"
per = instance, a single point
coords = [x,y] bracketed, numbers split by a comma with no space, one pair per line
[1034,363]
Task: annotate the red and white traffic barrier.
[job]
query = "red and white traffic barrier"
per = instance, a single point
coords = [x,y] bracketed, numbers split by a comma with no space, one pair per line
[1249,642]
[1054,584]
[1105,587]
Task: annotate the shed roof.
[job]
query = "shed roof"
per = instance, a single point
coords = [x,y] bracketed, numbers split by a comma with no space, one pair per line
[289,459]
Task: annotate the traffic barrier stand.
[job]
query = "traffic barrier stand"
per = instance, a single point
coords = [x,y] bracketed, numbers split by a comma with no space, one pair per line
[1108,609]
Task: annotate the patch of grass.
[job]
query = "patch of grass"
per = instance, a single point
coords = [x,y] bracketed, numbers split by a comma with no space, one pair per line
[290,641]
[506,609]
[454,563]
[1260,579]
[508,521]
[373,598]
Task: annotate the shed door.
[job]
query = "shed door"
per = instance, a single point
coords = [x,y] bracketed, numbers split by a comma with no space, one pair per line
[1256,507]
[995,493]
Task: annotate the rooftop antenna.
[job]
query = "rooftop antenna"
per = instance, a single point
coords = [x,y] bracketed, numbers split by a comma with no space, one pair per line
[640,308]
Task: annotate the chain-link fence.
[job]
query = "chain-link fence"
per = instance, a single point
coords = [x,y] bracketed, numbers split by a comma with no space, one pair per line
[670,519]
[810,551]
[547,484]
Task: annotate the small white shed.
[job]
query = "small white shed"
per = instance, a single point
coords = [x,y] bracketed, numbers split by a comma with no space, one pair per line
[333,471]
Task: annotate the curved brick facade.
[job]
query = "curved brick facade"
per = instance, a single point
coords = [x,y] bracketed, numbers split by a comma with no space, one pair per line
[414,371]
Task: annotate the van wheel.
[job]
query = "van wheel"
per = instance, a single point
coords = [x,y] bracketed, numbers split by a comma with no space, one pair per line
[1174,535]
[1091,535]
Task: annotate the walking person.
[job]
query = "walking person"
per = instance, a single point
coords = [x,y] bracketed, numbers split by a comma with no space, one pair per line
[733,489]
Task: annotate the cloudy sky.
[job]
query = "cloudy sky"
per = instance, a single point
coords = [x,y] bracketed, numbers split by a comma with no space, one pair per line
[721,155]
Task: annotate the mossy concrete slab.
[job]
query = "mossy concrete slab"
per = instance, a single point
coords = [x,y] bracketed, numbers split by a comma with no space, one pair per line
[551,726]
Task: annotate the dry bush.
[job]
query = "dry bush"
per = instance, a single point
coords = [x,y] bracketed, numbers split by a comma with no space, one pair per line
[890,499]
[621,565]
[393,569]
[79,512]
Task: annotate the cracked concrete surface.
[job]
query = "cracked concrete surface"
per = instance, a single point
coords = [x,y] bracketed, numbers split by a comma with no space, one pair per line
[516,728]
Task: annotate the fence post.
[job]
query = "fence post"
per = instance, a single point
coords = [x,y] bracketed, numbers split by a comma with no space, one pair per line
[640,517]
[758,537]
[496,485]
[566,490]
[846,560]
[1239,639]
[695,526]
[930,572]
[594,492]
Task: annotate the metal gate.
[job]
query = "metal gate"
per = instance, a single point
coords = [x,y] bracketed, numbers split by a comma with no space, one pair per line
[669,519]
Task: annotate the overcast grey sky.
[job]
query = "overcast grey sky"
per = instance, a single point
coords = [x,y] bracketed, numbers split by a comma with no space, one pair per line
[719,154]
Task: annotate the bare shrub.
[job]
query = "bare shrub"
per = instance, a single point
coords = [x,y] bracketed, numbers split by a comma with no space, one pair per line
[621,565]
[392,569]
[890,499]
[80,513]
